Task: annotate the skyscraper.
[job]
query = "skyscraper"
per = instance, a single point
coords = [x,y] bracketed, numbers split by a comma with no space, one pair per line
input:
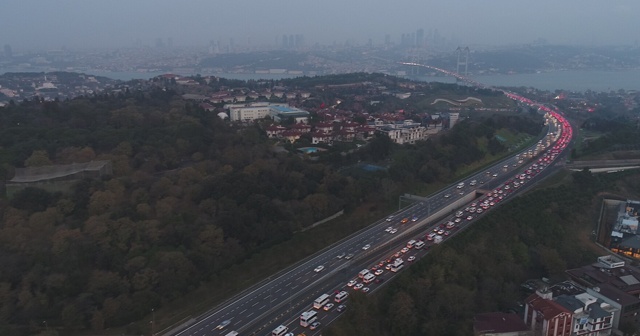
[420,38]
[8,53]
[292,41]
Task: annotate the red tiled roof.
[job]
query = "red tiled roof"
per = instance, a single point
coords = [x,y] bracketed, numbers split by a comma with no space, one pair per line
[548,308]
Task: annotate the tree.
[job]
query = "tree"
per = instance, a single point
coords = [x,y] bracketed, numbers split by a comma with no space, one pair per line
[38,158]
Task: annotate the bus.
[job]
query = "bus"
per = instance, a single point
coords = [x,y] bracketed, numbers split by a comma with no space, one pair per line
[341,297]
[397,265]
[308,317]
[279,331]
[321,301]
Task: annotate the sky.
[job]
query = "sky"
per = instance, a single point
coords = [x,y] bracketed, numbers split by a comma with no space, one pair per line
[35,24]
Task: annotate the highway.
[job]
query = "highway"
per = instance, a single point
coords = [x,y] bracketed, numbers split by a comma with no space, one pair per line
[283,297]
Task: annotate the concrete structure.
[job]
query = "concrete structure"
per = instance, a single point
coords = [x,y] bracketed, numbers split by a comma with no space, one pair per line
[613,282]
[590,315]
[57,177]
[547,317]
[282,112]
[499,324]
[260,110]
[404,132]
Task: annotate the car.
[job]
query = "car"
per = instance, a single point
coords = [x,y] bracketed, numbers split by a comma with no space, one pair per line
[479,210]
[366,247]
[341,255]
[374,267]
[349,256]
[358,286]
[288,334]
[328,306]
[495,175]
[341,308]
[381,263]
[318,269]
[379,280]
[223,324]
[315,325]
[393,231]
[404,220]
[388,229]
[447,195]
[398,254]
[390,218]
[469,218]
[411,258]
[414,218]
[365,289]
[441,231]
[404,250]
[351,283]
[458,220]
[378,272]
[388,266]
[446,233]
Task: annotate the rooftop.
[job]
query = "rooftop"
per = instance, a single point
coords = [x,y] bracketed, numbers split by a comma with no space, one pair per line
[35,174]
[498,323]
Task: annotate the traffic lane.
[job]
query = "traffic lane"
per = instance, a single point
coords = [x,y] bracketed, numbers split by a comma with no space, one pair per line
[401,213]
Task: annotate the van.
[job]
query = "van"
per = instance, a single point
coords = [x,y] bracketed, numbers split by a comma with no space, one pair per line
[368,278]
[411,243]
[419,245]
[363,273]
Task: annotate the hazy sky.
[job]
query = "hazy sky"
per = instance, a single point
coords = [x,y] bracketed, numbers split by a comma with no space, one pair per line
[27,24]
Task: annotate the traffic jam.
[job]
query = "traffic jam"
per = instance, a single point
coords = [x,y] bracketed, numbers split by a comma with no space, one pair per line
[549,148]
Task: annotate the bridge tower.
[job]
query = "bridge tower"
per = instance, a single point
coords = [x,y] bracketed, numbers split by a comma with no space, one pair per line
[463,59]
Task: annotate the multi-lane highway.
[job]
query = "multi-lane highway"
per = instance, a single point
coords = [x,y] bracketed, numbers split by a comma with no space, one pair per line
[283,297]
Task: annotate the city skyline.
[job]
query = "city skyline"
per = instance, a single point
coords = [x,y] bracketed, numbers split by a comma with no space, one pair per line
[96,24]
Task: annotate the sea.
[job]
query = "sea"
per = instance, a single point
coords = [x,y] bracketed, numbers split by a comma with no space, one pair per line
[569,80]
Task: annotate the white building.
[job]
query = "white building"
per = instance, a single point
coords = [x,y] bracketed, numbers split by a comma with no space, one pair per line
[405,132]
[251,111]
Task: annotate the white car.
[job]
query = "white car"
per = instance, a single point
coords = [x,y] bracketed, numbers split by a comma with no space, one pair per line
[328,306]
[366,247]
[358,286]
[341,255]
[390,218]
[411,258]
[393,231]
[223,324]
[388,229]
[351,283]
[378,272]
[319,269]
[365,289]
[404,250]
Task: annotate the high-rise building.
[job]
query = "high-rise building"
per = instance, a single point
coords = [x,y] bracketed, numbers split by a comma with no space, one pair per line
[292,41]
[8,53]
[387,39]
[299,40]
[159,43]
[285,41]
[420,37]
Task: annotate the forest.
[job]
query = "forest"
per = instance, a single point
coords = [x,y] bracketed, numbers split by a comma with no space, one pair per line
[189,197]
